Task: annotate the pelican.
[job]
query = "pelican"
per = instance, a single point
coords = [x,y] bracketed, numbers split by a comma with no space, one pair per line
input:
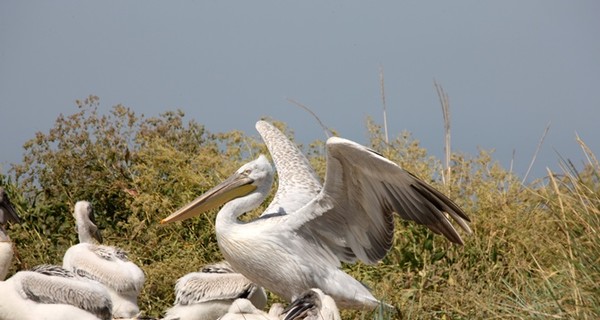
[45,292]
[295,244]
[243,309]
[53,293]
[105,264]
[209,294]
[313,304]
[7,214]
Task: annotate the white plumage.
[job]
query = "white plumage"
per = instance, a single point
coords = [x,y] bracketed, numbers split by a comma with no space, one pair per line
[299,242]
[313,304]
[105,264]
[209,294]
[46,292]
[53,293]
[243,309]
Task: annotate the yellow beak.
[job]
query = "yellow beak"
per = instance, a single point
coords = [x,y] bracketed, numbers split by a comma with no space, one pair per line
[238,185]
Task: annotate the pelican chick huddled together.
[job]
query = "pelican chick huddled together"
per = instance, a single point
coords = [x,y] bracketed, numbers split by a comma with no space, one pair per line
[53,293]
[312,304]
[106,264]
[300,240]
[208,294]
[46,291]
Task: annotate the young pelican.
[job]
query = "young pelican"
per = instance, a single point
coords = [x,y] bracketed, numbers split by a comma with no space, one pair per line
[105,264]
[53,293]
[288,251]
[7,214]
[208,294]
[45,292]
[313,304]
[243,309]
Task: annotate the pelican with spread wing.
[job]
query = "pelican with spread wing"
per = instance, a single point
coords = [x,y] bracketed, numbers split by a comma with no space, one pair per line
[299,242]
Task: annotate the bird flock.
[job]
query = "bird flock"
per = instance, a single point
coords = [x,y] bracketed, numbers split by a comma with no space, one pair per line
[294,249]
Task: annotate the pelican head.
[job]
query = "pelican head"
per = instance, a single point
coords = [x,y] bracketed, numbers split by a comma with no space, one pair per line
[86,226]
[7,211]
[312,304]
[7,214]
[251,182]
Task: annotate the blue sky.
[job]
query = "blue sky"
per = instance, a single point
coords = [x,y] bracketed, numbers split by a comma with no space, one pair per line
[509,68]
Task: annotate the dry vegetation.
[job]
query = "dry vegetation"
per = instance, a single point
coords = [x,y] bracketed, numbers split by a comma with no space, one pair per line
[535,251]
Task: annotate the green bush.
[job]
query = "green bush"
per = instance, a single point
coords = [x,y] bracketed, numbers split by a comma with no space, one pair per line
[534,252]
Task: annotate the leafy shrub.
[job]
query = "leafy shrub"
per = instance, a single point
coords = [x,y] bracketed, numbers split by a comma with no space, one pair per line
[534,252]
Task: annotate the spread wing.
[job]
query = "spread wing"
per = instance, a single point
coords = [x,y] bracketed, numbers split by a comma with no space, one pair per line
[298,183]
[354,213]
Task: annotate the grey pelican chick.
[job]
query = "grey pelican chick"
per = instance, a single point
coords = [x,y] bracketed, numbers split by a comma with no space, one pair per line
[105,264]
[53,293]
[313,304]
[350,218]
[208,294]
[7,214]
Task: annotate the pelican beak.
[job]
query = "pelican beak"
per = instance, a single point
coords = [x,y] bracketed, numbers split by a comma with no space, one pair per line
[96,234]
[238,185]
[8,212]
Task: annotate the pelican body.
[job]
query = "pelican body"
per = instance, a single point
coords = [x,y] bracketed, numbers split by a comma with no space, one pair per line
[106,264]
[209,294]
[243,309]
[299,242]
[53,293]
[46,292]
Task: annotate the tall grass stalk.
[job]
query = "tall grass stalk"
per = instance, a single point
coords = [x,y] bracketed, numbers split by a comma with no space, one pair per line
[445,104]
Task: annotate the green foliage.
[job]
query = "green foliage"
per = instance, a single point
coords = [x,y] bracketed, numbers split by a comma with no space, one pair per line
[534,252]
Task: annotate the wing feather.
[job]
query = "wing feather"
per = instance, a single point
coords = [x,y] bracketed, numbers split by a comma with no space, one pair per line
[298,183]
[105,264]
[362,190]
[65,288]
[198,287]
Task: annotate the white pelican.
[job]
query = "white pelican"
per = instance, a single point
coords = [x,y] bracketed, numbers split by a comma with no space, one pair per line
[105,264]
[243,309]
[53,293]
[7,214]
[313,304]
[288,251]
[208,294]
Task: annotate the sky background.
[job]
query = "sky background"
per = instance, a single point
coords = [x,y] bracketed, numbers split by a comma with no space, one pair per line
[509,68]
